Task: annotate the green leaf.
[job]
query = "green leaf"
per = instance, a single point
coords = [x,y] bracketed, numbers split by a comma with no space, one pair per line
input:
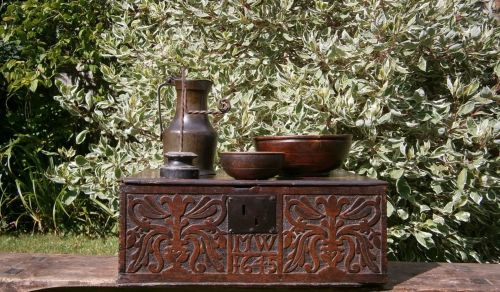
[424,208]
[466,108]
[449,207]
[436,188]
[497,70]
[463,216]
[477,198]
[88,99]
[424,238]
[80,160]
[399,233]
[422,64]
[287,37]
[397,173]
[455,47]
[462,177]
[33,85]
[81,136]
[450,86]
[402,214]
[390,209]
[438,219]
[403,188]
[118,172]
[70,198]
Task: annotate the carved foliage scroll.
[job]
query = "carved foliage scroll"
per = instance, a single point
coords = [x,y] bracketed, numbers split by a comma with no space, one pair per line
[332,232]
[181,233]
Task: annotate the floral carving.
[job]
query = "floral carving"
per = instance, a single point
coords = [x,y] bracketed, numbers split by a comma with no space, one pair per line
[176,232]
[332,232]
[173,234]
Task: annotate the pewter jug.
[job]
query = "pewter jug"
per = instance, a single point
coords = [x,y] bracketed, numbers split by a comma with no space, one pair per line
[190,130]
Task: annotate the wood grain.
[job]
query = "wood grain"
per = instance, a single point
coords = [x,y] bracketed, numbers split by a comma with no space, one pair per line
[28,272]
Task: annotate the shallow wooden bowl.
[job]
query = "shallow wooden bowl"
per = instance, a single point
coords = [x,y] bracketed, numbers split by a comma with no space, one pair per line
[251,165]
[309,155]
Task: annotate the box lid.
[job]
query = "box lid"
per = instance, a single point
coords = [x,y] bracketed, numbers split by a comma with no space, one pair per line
[336,178]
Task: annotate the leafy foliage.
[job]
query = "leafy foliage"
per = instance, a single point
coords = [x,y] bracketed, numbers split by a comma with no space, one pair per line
[415,82]
[39,42]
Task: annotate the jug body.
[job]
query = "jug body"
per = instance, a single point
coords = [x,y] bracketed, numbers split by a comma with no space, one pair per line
[199,136]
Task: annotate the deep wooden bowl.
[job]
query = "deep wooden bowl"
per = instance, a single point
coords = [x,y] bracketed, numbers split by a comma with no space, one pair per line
[251,165]
[309,155]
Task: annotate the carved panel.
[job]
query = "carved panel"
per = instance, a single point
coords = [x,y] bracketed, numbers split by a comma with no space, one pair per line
[176,233]
[172,237]
[332,233]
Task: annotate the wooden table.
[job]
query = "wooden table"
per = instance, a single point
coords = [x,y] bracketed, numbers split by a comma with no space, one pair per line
[27,272]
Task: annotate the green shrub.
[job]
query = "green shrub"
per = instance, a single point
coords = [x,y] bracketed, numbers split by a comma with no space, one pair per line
[39,41]
[415,82]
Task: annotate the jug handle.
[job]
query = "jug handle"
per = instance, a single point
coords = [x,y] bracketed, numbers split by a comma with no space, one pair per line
[158,95]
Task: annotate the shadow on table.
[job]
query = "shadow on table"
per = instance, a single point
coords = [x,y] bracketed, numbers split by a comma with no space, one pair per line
[400,272]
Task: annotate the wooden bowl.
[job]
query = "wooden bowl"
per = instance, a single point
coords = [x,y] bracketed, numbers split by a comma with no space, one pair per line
[313,155]
[251,165]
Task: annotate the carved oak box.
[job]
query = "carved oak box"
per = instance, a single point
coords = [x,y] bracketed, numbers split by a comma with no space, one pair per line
[314,231]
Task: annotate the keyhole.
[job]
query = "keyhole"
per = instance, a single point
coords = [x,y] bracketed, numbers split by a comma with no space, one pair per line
[256,221]
[243,211]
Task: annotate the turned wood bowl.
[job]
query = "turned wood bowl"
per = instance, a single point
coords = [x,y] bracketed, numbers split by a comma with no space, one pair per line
[307,155]
[251,165]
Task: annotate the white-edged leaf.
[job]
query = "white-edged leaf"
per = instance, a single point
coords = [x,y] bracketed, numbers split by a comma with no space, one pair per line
[466,108]
[422,64]
[448,208]
[463,216]
[424,238]
[390,209]
[424,208]
[476,197]
[70,198]
[396,173]
[462,177]
[81,136]
[33,85]
[402,214]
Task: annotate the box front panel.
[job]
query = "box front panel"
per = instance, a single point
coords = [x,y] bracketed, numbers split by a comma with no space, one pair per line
[174,235]
[331,233]
[321,238]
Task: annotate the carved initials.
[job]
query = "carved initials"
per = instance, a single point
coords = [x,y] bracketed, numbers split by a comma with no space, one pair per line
[263,242]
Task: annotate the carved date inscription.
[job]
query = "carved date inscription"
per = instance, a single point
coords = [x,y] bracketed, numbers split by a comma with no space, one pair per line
[332,233]
[254,254]
[176,233]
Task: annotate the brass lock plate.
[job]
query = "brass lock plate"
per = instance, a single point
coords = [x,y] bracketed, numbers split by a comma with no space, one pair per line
[252,214]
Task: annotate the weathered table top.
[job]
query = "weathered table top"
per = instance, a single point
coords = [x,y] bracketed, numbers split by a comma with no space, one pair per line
[26,272]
